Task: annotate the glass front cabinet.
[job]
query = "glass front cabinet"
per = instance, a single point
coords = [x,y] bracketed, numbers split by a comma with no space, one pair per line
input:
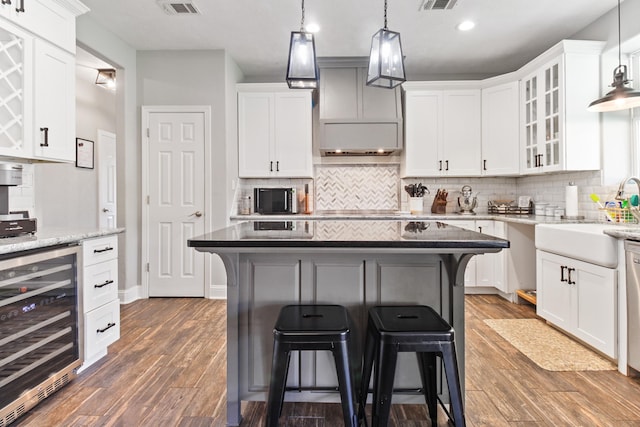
[558,133]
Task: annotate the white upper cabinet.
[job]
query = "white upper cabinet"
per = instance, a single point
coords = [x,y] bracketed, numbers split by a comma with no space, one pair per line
[442,131]
[274,132]
[50,20]
[557,131]
[500,129]
[37,94]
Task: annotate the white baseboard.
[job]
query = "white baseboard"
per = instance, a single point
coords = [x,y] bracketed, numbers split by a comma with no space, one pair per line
[218,292]
[130,295]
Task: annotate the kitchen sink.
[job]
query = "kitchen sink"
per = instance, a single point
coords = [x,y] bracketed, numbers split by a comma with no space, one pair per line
[586,242]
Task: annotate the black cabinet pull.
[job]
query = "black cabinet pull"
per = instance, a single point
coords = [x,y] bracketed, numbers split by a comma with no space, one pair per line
[562,269]
[109,326]
[446,163]
[278,166]
[102,285]
[46,137]
[21,8]
[484,164]
[6,1]
[569,281]
[97,251]
[440,165]
[270,166]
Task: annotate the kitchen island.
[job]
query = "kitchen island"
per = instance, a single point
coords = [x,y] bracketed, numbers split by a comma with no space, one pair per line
[357,264]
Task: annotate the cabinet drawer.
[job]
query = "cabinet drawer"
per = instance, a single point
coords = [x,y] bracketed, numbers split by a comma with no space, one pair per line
[101,328]
[100,284]
[99,250]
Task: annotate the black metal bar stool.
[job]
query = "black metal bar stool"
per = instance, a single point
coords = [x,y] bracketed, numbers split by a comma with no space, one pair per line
[311,327]
[420,329]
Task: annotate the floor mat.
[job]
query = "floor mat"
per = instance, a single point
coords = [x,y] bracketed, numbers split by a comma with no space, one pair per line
[547,347]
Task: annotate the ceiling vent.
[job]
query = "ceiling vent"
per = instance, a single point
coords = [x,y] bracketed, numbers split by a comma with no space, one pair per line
[178,7]
[437,4]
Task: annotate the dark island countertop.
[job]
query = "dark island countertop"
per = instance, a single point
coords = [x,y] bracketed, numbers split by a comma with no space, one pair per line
[362,234]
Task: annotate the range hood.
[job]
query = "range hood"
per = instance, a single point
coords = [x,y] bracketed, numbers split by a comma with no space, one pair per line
[355,119]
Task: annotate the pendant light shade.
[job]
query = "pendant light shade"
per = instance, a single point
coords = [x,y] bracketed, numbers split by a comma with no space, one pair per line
[302,67]
[106,78]
[386,62]
[621,97]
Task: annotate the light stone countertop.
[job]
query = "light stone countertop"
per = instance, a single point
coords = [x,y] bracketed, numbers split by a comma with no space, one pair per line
[47,237]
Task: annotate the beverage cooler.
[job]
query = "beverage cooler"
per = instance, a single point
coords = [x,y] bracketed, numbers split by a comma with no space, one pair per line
[39,328]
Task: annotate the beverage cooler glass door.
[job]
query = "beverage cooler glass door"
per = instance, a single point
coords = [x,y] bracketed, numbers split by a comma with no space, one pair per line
[38,319]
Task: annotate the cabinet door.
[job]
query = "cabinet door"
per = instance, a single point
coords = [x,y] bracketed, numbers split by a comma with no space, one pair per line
[54,103]
[551,143]
[271,283]
[501,130]
[461,132]
[256,118]
[293,129]
[423,133]
[16,91]
[596,313]
[554,300]
[326,277]
[530,124]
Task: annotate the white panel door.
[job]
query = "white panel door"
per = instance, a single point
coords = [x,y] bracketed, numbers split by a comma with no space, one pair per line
[176,203]
[107,205]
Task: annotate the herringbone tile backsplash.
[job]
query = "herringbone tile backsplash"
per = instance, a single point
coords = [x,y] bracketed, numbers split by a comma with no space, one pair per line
[360,187]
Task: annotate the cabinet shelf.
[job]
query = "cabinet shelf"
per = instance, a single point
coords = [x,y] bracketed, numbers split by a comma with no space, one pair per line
[528,295]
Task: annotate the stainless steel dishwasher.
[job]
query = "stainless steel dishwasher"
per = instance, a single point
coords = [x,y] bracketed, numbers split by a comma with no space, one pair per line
[633,302]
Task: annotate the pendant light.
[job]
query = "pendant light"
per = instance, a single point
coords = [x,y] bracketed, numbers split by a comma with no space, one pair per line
[302,68]
[386,63]
[621,97]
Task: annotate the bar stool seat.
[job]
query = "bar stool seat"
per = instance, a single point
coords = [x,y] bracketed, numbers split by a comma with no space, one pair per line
[311,327]
[416,328]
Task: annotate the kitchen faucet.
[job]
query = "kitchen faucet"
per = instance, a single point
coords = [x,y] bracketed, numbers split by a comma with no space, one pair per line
[635,210]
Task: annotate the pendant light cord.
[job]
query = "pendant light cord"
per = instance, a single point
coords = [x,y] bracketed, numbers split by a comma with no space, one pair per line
[302,20]
[619,38]
[385,14]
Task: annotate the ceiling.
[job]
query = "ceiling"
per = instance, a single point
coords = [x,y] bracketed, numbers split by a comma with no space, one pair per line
[255,33]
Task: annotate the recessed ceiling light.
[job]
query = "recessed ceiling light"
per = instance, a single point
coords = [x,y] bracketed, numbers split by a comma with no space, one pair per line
[466,25]
[312,28]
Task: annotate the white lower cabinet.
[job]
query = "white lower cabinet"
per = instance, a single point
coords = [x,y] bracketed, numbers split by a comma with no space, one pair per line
[485,270]
[101,307]
[578,297]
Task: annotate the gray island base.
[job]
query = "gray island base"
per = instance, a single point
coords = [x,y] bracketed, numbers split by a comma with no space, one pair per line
[357,264]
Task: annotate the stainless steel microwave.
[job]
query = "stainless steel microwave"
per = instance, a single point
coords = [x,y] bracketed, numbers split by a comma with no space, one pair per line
[275,201]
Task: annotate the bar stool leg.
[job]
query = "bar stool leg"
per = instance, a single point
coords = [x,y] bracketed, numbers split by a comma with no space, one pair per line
[345,383]
[279,370]
[367,366]
[383,384]
[427,364]
[451,369]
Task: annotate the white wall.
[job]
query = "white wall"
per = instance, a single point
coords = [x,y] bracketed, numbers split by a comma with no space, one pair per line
[67,196]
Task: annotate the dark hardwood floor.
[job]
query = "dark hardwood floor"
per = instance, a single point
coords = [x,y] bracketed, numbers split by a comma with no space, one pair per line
[168,369]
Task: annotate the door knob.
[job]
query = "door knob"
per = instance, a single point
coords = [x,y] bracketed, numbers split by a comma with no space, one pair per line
[196,213]
[105,210]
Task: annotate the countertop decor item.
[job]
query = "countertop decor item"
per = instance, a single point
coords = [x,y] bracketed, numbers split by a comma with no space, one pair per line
[621,97]
[571,202]
[467,201]
[439,205]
